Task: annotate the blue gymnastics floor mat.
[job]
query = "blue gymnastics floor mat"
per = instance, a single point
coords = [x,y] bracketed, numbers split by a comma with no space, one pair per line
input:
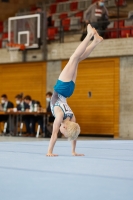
[104,173]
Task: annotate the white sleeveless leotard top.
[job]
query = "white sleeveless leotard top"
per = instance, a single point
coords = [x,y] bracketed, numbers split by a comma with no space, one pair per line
[59,100]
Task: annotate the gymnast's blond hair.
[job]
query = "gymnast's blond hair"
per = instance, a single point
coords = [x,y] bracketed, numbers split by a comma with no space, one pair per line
[73,130]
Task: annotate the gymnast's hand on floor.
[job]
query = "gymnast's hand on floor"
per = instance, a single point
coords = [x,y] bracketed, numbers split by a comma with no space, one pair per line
[51,155]
[77,154]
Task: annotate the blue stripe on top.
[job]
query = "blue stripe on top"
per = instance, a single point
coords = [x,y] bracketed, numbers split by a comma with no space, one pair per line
[66,89]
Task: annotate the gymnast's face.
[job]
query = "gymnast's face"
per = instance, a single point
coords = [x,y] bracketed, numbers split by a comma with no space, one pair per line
[63,129]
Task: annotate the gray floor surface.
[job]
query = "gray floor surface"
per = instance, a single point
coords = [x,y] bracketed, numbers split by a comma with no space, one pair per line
[104,173]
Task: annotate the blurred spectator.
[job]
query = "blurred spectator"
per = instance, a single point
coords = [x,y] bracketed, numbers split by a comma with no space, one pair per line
[31,103]
[97,16]
[5,103]
[49,18]
[6,106]
[48,99]
[20,104]
[31,120]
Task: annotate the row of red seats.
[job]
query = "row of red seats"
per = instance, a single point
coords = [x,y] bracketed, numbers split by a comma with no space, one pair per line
[113,32]
[65,17]
[125,32]
[52,33]
[73,23]
[121,28]
[66,14]
[34,6]
[73,6]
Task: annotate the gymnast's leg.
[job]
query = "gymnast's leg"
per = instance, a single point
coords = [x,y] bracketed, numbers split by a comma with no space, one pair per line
[96,41]
[82,52]
[70,68]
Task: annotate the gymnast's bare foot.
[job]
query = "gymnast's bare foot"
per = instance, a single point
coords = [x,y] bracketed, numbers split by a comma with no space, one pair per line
[91,30]
[51,155]
[97,37]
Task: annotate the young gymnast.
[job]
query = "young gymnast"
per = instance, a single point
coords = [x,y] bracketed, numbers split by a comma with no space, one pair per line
[64,117]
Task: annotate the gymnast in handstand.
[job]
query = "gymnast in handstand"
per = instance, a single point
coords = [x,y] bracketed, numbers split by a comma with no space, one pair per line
[65,120]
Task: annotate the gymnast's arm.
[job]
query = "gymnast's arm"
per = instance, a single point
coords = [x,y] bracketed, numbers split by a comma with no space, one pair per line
[74,142]
[56,126]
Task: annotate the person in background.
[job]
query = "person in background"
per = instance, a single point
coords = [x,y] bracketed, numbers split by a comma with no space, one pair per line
[6,105]
[31,120]
[49,18]
[97,16]
[48,99]
[21,106]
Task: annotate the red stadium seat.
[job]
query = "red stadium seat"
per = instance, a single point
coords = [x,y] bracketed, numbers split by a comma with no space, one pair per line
[121,2]
[66,24]
[79,14]
[51,33]
[126,32]
[73,6]
[53,8]
[63,15]
[120,23]
[5,35]
[132,32]
[112,33]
